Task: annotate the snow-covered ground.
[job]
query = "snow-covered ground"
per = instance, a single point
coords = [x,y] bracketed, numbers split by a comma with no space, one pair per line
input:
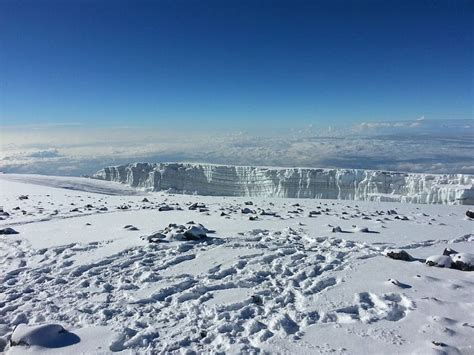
[287,280]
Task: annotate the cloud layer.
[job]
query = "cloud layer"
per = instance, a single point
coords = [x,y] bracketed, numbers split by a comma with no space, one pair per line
[412,146]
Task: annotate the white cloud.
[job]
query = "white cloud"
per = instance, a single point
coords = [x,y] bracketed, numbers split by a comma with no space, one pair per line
[374,145]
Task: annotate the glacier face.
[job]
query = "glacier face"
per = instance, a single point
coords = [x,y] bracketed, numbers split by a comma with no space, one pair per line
[345,184]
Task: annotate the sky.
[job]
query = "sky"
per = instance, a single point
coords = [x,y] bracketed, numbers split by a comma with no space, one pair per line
[384,85]
[234,64]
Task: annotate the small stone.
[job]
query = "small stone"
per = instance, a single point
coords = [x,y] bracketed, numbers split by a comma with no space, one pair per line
[463,261]
[8,230]
[197,206]
[439,261]
[399,255]
[195,233]
[257,299]
[449,251]
[156,237]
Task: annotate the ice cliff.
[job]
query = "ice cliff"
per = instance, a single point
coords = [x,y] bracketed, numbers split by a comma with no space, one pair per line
[345,184]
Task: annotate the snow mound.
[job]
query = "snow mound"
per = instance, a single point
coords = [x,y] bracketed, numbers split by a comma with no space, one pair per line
[43,335]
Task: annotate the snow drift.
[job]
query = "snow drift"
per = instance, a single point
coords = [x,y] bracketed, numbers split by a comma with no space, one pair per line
[345,184]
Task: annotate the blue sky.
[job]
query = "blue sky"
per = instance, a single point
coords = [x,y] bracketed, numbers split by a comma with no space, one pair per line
[234,64]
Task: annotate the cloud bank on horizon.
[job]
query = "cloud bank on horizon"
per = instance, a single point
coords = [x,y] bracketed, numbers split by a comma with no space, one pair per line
[432,146]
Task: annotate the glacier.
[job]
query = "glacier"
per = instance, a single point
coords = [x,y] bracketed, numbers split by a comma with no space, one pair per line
[253,181]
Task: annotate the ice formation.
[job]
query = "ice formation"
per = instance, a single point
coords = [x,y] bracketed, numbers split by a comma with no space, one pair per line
[344,184]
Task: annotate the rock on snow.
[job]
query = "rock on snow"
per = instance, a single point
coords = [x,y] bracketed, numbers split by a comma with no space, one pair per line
[439,261]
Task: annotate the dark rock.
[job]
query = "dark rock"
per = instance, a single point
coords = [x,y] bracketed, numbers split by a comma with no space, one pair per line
[8,230]
[156,237]
[195,233]
[449,251]
[463,262]
[23,197]
[257,299]
[145,200]
[197,206]
[399,255]
[470,213]
[267,213]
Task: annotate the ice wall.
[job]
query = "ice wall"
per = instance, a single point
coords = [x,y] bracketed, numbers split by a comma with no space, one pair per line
[346,184]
